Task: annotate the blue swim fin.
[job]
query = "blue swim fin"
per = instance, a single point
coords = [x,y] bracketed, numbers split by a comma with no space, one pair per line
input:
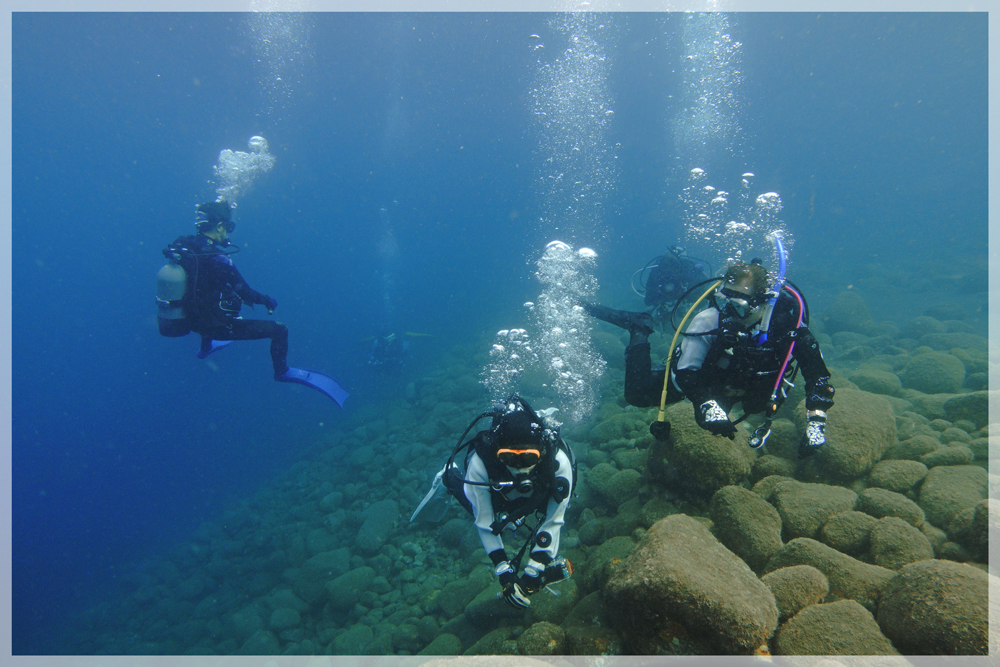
[215,345]
[316,380]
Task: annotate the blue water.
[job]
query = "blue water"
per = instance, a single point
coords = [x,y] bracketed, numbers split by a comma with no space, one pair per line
[872,127]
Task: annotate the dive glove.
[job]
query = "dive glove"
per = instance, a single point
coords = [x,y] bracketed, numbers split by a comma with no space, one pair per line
[711,417]
[511,590]
[271,304]
[815,436]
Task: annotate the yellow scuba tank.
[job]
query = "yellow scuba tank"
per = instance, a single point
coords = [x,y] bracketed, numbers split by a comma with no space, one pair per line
[171,284]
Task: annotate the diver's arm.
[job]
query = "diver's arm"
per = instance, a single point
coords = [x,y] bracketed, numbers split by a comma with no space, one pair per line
[546,545]
[482,504]
[247,294]
[819,392]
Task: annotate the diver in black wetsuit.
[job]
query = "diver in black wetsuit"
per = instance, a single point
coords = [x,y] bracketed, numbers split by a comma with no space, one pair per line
[213,292]
[733,352]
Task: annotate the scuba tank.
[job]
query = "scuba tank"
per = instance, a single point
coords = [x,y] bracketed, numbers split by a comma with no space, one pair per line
[171,285]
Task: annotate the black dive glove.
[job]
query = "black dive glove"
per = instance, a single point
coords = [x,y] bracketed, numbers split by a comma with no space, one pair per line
[511,590]
[819,394]
[271,303]
[815,436]
[711,417]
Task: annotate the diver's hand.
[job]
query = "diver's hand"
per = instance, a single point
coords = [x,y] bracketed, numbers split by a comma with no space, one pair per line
[511,590]
[711,417]
[270,304]
[514,595]
[815,435]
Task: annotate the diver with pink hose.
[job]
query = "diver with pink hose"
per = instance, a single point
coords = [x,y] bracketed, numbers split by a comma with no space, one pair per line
[739,350]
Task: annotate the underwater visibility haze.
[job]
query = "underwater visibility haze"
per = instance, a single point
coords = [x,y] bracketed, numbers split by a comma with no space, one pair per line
[461,181]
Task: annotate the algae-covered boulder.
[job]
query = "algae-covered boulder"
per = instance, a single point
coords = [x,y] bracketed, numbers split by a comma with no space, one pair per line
[345,590]
[947,490]
[379,520]
[975,526]
[746,524]
[804,508]
[937,607]
[768,465]
[849,578]
[681,581]
[309,581]
[960,339]
[897,475]
[848,312]
[444,644]
[881,503]
[456,595]
[934,373]
[877,381]
[795,588]
[707,462]
[973,407]
[542,638]
[861,427]
[604,559]
[921,326]
[837,628]
[913,448]
[954,455]
[849,532]
[624,425]
[895,543]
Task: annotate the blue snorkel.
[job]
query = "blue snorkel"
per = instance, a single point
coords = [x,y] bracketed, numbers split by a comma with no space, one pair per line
[762,432]
[778,284]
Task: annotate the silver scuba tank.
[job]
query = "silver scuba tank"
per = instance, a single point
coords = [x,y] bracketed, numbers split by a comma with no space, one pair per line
[171,284]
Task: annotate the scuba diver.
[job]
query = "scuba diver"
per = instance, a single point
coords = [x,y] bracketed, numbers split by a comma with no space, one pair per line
[201,290]
[516,468]
[388,351]
[670,276]
[737,351]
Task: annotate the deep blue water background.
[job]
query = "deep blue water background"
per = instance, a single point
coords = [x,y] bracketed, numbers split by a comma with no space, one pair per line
[872,127]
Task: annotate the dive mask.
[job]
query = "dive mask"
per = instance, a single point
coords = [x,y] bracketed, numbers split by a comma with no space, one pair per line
[519,458]
[733,302]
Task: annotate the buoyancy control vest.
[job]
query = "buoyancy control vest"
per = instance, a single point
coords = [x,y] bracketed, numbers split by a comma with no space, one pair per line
[543,480]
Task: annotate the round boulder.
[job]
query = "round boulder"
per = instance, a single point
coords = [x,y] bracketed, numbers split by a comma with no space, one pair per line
[838,628]
[934,373]
[947,490]
[849,532]
[795,588]
[681,581]
[849,578]
[747,524]
[881,503]
[860,429]
[896,543]
[706,462]
[938,607]
[899,475]
[804,508]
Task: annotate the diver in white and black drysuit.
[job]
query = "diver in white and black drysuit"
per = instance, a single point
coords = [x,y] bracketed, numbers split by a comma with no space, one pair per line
[517,468]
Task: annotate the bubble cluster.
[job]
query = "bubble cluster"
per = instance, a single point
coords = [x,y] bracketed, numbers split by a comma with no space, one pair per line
[561,348]
[573,107]
[709,110]
[236,171]
[573,366]
[510,356]
[740,229]
[280,41]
